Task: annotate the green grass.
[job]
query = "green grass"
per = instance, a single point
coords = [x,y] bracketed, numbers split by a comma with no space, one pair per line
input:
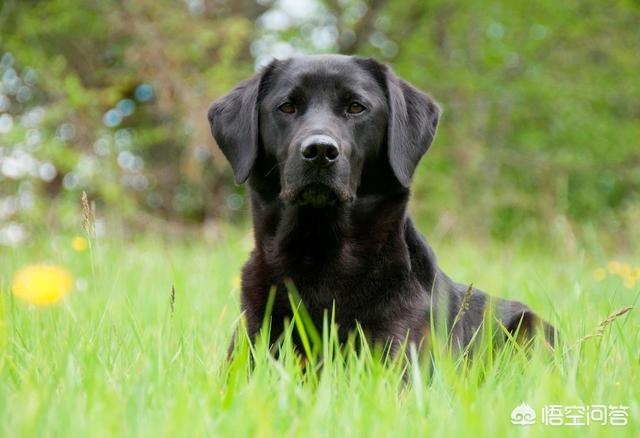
[113,359]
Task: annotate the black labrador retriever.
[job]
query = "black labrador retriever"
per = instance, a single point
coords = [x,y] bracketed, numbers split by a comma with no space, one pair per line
[328,145]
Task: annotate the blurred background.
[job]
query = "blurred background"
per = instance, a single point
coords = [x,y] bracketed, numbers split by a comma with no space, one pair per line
[540,138]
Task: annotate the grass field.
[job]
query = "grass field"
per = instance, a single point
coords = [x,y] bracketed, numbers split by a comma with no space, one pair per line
[116,357]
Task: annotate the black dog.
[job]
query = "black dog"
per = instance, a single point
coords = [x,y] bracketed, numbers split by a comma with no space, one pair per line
[329,145]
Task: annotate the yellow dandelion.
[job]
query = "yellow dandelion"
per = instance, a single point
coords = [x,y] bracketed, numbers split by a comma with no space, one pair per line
[630,282]
[599,274]
[42,285]
[79,244]
[625,270]
[236,282]
[614,267]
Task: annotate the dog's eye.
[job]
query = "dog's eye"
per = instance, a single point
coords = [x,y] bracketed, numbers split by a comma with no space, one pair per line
[287,108]
[355,108]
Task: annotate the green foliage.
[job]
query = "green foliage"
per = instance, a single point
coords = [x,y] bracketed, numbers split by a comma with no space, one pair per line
[541,115]
[128,150]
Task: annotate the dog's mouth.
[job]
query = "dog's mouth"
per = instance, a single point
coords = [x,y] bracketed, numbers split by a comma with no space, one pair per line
[316,195]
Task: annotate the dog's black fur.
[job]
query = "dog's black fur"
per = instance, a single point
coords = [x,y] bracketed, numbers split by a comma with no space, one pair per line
[332,217]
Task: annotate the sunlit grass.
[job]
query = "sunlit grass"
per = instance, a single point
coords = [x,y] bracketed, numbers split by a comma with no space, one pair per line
[120,356]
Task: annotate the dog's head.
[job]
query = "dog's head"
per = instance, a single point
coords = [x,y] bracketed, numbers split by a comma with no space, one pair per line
[319,121]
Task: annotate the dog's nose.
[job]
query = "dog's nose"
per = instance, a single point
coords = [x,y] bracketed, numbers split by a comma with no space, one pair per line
[320,149]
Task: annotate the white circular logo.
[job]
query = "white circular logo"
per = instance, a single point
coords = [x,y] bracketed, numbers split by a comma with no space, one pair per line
[523,415]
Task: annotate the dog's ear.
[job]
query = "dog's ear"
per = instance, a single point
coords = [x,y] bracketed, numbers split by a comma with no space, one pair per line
[234,124]
[413,119]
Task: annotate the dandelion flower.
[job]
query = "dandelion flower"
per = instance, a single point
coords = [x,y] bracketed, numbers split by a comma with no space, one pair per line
[625,270]
[630,282]
[79,244]
[42,285]
[236,282]
[599,274]
[614,267]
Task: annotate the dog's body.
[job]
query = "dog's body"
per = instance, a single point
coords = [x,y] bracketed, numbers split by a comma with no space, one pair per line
[329,145]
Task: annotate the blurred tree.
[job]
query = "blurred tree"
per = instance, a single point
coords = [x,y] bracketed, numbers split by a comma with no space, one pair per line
[131,82]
